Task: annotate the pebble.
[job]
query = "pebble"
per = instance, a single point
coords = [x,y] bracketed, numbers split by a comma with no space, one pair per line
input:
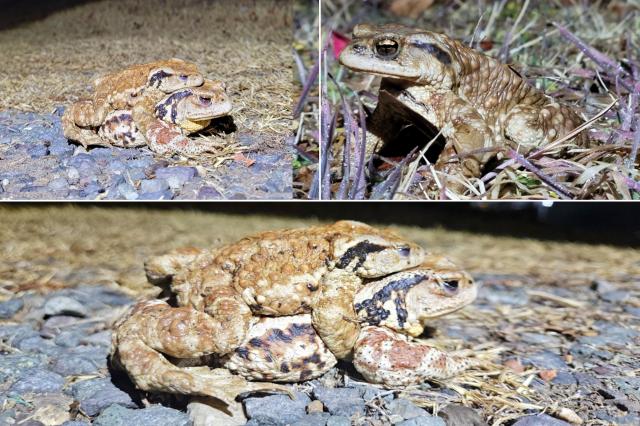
[313,419]
[338,421]
[176,177]
[62,305]
[340,401]
[155,415]
[10,307]
[546,360]
[154,185]
[95,395]
[405,409]
[540,420]
[37,380]
[13,365]
[279,409]
[315,407]
[459,415]
[81,360]
[427,421]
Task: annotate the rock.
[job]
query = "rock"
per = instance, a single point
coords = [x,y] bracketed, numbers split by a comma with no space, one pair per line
[427,421]
[58,184]
[313,419]
[546,360]
[279,409]
[161,195]
[14,365]
[405,409]
[73,175]
[315,407]
[38,380]
[75,423]
[53,326]
[340,401]
[153,185]
[338,421]
[102,338]
[61,305]
[616,296]
[127,191]
[38,345]
[13,334]
[10,307]
[539,420]
[97,394]
[155,415]
[564,378]
[504,295]
[459,415]
[177,176]
[208,193]
[81,360]
[70,338]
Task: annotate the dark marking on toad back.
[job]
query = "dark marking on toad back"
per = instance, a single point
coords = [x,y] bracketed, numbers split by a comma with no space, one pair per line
[156,78]
[376,313]
[360,252]
[435,51]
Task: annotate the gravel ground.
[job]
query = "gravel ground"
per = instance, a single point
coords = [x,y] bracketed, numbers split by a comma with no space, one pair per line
[37,162]
[53,366]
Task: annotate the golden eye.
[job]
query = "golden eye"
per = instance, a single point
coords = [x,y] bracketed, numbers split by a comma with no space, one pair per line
[450,287]
[387,49]
[204,101]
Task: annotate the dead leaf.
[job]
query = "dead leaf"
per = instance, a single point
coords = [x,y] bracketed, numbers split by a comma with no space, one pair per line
[515,365]
[410,8]
[240,158]
[548,375]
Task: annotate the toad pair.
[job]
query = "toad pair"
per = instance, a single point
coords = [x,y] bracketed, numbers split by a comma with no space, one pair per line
[156,104]
[284,306]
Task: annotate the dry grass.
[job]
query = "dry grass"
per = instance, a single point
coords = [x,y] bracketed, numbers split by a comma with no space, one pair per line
[591,79]
[245,43]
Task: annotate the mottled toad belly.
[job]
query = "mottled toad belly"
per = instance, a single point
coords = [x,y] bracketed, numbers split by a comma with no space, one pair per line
[283,349]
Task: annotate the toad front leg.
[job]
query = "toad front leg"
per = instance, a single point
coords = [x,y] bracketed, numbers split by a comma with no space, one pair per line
[154,329]
[389,358]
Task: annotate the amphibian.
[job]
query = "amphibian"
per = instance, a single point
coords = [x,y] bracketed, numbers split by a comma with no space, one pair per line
[284,306]
[122,90]
[476,101]
[164,126]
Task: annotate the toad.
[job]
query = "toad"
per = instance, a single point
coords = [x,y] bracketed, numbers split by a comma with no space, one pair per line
[478,103]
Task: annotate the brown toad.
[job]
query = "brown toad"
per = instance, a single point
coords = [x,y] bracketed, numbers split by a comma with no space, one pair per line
[476,101]
[284,306]
[164,125]
[122,90]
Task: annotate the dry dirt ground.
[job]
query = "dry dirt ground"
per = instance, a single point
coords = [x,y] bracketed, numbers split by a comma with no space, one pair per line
[556,326]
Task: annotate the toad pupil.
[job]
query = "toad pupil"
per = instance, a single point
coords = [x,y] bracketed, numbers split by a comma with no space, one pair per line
[205,101]
[387,48]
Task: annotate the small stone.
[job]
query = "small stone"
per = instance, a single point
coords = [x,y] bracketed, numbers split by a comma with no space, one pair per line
[153,185]
[127,191]
[338,421]
[155,415]
[277,408]
[428,421]
[38,380]
[313,419]
[102,338]
[540,420]
[176,177]
[61,305]
[315,407]
[456,414]
[564,378]
[208,193]
[616,296]
[405,409]
[14,365]
[341,401]
[161,195]
[75,423]
[10,307]
[81,360]
[58,184]
[547,360]
[97,394]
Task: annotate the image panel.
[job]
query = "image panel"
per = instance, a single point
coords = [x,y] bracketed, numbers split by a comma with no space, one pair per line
[263,313]
[307,109]
[480,100]
[147,99]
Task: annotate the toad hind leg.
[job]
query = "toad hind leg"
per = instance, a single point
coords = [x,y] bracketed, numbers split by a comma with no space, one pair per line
[383,356]
[154,328]
[86,136]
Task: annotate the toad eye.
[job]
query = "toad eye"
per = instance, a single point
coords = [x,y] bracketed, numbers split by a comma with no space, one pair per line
[183,77]
[387,49]
[450,287]
[204,101]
